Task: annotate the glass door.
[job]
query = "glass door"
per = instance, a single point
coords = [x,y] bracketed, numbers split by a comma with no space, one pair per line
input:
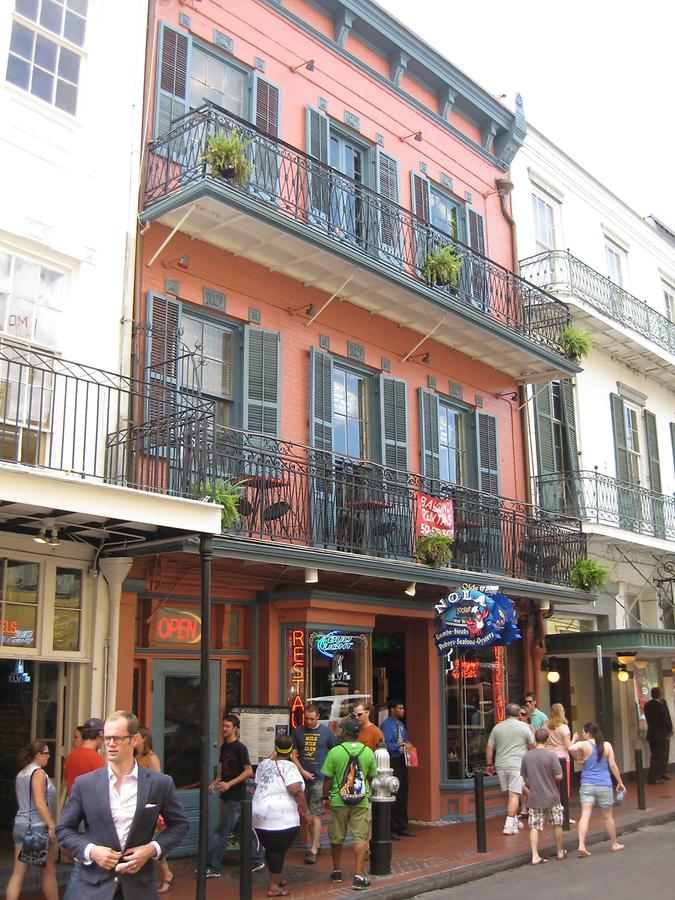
[176,732]
[346,206]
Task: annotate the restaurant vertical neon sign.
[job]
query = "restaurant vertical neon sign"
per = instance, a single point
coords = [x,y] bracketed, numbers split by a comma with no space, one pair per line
[297,669]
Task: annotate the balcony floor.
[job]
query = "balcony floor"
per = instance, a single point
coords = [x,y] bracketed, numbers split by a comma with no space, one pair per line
[248,227]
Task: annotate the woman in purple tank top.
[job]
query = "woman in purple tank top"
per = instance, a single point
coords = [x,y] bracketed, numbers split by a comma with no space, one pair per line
[596,782]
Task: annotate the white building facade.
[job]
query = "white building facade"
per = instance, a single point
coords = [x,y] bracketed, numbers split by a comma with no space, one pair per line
[70,147]
[602,445]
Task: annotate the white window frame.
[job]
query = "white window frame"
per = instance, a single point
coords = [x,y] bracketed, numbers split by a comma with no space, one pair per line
[541,199]
[61,42]
[632,418]
[614,251]
[669,300]
[44,642]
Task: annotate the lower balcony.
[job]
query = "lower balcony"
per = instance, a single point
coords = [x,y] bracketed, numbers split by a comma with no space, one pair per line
[71,455]
[607,501]
[311,498]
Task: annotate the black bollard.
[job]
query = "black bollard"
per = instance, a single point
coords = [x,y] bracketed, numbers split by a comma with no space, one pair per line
[565,796]
[479,804]
[380,842]
[245,874]
[640,780]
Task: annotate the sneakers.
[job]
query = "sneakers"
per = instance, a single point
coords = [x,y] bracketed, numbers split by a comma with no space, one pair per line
[510,829]
[311,857]
[256,867]
[360,883]
[213,873]
[520,824]
[336,876]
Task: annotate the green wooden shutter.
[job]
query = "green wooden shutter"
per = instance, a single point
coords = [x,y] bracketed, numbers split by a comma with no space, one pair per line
[173,66]
[262,361]
[421,196]
[266,107]
[318,131]
[431,464]
[321,400]
[394,419]
[421,204]
[653,452]
[162,352]
[543,411]
[488,453]
[620,449]
[476,229]
[386,169]
[570,423]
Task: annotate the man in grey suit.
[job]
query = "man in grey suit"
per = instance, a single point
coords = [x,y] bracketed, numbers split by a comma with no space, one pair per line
[120,805]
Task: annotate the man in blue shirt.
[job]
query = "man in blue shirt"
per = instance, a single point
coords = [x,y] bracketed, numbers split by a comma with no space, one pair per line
[311,743]
[397,741]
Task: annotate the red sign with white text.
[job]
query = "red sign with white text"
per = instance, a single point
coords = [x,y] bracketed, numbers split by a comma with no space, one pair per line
[434,516]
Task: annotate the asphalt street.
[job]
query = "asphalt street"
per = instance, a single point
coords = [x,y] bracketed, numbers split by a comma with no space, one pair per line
[643,869]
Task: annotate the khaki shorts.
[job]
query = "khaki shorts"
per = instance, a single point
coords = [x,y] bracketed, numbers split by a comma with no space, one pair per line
[510,780]
[314,796]
[353,817]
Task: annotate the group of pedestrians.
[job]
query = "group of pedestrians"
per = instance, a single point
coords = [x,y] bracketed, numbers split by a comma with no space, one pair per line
[528,758]
[110,820]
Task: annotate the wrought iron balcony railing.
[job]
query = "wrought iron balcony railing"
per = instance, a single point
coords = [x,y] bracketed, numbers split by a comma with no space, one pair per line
[313,498]
[292,184]
[600,498]
[558,271]
[66,417]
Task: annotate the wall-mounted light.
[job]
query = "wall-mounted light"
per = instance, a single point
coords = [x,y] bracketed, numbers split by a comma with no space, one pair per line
[416,134]
[423,358]
[550,666]
[640,664]
[411,590]
[53,539]
[309,64]
[627,658]
[41,538]
[623,674]
[311,576]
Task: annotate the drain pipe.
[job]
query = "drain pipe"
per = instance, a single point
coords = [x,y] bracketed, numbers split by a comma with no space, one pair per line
[504,187]
[114,571]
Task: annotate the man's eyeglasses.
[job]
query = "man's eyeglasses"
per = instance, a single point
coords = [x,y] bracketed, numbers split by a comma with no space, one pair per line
[358,715]
[529,702]
[115,739]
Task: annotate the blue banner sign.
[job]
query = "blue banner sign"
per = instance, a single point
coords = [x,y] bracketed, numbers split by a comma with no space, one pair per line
[474,617]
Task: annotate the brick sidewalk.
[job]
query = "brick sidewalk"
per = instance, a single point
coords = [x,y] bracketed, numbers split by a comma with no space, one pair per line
[439,856]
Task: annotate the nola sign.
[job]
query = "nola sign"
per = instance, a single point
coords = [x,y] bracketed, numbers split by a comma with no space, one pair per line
[434,516]
[474,616]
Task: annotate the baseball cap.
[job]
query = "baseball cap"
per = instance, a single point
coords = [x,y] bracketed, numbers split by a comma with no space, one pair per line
[350,727]
[91,728]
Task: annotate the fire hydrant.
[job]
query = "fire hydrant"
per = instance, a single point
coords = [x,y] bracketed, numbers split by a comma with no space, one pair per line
[383,787]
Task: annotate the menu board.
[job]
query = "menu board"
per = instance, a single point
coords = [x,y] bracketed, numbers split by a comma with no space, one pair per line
[259,727]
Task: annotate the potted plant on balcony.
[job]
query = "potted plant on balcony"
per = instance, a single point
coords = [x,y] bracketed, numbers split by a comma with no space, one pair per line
[434,549]
[576,344]
[442,266]
[228,495]
[226,156]
[588,575]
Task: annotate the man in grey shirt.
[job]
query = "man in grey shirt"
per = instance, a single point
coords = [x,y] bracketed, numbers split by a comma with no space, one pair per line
[508,743]
[542,771]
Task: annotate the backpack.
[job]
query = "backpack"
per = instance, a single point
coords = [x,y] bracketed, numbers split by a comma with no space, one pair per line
[353,784]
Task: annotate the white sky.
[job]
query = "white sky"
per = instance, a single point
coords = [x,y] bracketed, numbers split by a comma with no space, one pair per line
[596,77]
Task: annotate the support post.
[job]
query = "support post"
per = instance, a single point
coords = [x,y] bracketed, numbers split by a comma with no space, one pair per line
[565,797]
[245,874]
[640,780]
[205,557]
[479,803]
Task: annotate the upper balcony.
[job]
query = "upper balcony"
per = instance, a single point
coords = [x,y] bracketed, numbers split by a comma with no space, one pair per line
[603,500]
[300,217]
[71,458]
[618,322]
[310,498]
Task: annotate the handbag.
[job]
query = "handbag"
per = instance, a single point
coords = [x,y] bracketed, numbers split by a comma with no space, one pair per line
[35,845]
[410,754]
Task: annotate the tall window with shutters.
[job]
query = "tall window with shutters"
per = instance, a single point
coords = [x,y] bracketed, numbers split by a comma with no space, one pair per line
[556,441]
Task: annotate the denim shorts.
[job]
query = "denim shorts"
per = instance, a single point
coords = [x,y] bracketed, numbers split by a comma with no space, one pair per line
[20,829]
[596,794]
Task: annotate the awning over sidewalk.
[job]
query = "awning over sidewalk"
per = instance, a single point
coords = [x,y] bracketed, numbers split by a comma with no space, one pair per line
[647,642]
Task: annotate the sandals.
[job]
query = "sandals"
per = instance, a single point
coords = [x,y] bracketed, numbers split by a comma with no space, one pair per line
[311,857]
[169,884]
[561,855]
[539,862]
[280,893]
[582,853]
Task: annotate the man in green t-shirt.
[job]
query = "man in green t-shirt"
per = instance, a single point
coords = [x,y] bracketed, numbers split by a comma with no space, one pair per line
[352,816]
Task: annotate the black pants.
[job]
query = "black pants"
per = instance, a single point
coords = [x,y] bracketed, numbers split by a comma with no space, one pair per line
[276,844]
[399,808]
[658,758]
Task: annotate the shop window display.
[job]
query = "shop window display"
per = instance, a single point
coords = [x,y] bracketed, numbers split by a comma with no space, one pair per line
[474,692]
[330,668]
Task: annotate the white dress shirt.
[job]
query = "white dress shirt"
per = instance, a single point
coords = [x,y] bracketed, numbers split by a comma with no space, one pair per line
[123,807]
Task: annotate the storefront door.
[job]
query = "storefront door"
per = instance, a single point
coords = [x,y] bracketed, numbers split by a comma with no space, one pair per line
[176,735]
